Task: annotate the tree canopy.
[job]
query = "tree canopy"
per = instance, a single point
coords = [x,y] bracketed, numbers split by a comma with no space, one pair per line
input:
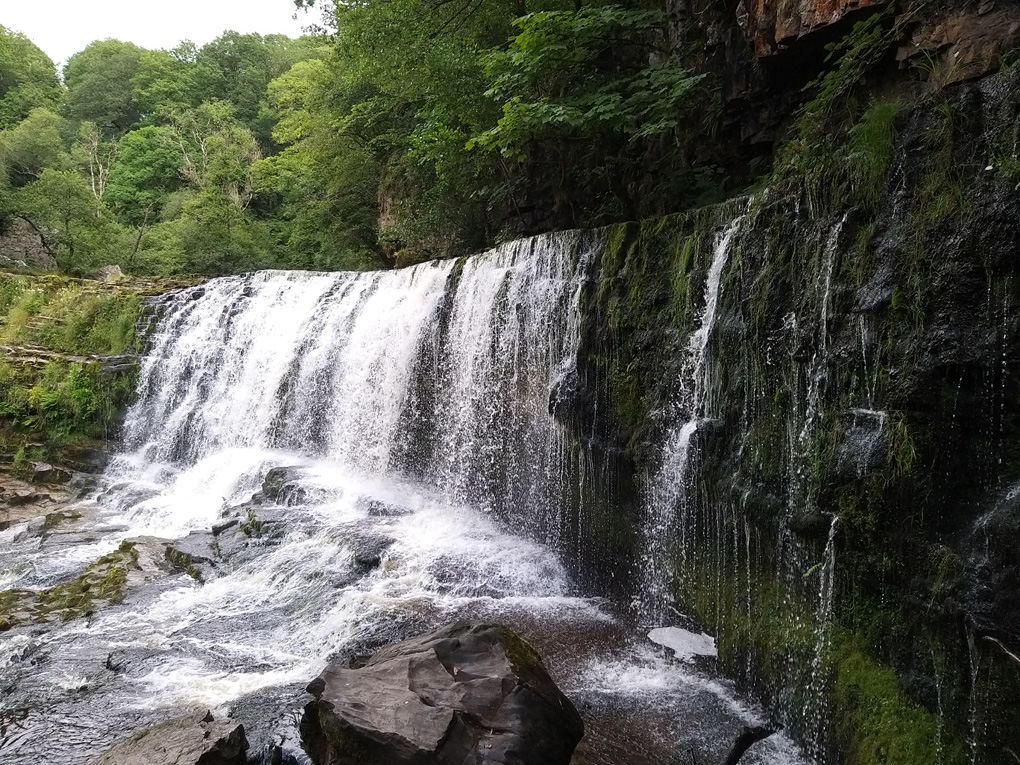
[28,79]
[409,129]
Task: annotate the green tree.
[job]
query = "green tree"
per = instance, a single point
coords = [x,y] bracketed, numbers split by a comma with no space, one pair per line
[164,84]
[322,188]
[148,169]
[74,225]
[34,145]
[563,75]
[28,79]
[237,68]
[100,87]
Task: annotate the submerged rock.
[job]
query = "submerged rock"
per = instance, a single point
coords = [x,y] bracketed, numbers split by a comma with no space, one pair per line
[368,549]
[192,740]
[466,693]
[377,508]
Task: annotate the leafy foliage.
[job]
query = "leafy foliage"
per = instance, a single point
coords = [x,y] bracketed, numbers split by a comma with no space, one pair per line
[421,128]
[549,79]
[28,79]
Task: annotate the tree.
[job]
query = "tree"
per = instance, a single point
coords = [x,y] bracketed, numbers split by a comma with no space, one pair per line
[28,79]
[323,186]
[164,84]
[148,169]
[94,157]
[237,68]
[34,145]
[99,86]
[581,73]
[74,225]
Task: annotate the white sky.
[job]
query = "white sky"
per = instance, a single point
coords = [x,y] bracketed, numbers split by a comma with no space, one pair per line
[63,27]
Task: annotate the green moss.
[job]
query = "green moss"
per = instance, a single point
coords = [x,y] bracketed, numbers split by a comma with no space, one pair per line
[878,724]
[252,527]
[53,520]
[104,581]
[183,561]
[522,656]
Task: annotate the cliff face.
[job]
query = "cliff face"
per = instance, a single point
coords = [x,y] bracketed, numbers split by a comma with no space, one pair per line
[774,25]
[760,54]
[843,513]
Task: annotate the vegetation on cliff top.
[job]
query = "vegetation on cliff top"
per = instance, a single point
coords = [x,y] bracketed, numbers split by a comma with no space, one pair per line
[416,128]
[59,386]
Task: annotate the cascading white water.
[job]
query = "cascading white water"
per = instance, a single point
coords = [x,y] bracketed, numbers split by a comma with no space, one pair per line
[348,367]
[671,490]
[414,407]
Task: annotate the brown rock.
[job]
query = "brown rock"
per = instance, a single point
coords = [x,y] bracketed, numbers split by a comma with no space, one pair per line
[962,46]
[775,24]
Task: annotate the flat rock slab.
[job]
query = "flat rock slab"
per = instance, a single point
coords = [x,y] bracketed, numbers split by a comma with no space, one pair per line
[193,740]
[473,693]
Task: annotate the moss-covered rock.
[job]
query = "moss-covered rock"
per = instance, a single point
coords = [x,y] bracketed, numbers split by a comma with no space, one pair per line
[103,582]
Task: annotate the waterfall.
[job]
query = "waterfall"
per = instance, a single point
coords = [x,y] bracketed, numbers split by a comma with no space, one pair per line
[442,372]
[671,496]
[418,425]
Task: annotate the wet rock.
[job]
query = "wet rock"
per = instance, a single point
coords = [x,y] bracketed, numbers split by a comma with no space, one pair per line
[184,561]
[23,497]
[380,509]
[465,693]
[193,740]
[567,396]
[229,523]
[368,549]
[992,575]
[121,496]
[271,725]
[88,459]
[863,447]
[44,472]
[282,486]
[810,524]
[56,519]
[197,547]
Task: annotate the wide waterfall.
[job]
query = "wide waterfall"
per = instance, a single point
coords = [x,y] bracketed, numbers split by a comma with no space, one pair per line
[411,423]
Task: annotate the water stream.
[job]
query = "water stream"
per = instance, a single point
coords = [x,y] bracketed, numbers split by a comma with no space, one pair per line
[425,482]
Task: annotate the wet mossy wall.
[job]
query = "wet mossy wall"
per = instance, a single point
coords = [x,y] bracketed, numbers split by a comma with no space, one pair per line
[865,367]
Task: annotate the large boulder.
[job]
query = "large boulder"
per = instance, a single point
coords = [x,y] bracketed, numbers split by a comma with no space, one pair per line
[473,693]
[193,740]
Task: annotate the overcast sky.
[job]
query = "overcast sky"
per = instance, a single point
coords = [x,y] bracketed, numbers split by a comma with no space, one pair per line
[63,27]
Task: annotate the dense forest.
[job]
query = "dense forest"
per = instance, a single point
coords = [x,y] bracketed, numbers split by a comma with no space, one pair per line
[399,131]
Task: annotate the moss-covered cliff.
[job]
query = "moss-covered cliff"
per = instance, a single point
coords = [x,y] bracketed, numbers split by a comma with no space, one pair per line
[850,532]
[67,366]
